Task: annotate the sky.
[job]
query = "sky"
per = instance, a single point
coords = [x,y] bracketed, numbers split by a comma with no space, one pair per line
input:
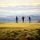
[19,7]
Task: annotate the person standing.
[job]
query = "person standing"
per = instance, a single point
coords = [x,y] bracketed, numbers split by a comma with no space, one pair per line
[23,19]
[16,19]
[29,19]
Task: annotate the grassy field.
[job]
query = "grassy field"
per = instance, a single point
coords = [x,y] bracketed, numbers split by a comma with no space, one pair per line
[19,31]
[21,25]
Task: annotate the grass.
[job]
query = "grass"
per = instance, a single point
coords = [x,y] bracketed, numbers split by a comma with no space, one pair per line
[19,31]
[20,25]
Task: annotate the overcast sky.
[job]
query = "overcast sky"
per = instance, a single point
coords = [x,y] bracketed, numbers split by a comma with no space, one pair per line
[19,7]
[18,2]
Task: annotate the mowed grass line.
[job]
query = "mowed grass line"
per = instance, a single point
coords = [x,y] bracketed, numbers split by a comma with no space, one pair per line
[21,25]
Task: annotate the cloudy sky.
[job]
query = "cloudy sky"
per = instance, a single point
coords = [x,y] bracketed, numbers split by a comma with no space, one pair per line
[19,7]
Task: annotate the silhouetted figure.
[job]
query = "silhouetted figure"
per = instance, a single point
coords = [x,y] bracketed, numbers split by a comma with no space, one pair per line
[16,19]
[23,19]
[29,19]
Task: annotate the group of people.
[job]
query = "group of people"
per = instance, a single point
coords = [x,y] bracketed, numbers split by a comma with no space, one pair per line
[23,19]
